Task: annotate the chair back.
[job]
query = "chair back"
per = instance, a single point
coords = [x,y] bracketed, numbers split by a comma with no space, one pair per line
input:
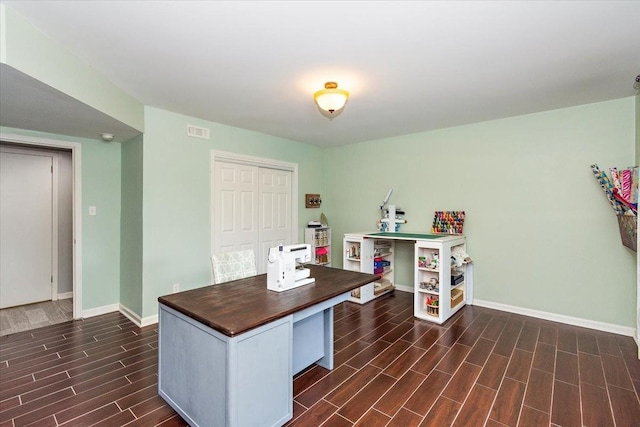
[233,265]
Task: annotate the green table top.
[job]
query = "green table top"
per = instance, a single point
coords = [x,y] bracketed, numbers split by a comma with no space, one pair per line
[410,235]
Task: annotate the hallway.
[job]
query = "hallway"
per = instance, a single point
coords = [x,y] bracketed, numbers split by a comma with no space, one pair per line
[33,316]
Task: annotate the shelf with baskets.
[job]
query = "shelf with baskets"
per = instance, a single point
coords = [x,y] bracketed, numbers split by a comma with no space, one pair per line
[441,287]
[369,255]
[320,240]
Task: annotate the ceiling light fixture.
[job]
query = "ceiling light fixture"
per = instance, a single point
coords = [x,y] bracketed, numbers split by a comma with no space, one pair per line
[107,137]
[331,100]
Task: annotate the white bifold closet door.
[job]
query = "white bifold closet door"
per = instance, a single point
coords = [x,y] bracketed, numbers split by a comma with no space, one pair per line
[251,209]
[26,221]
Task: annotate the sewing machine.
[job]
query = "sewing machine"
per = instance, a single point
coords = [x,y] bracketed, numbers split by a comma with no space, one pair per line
[283,272]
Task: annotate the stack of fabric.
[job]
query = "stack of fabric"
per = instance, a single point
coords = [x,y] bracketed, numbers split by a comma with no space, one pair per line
[621,189]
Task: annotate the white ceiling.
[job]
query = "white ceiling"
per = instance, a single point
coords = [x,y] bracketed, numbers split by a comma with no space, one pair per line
[409,66]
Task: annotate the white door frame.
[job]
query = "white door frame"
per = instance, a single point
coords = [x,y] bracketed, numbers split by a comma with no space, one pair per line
[76,160]
[229,157]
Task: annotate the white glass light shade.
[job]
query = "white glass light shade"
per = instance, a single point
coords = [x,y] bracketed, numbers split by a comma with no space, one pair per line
[331,99]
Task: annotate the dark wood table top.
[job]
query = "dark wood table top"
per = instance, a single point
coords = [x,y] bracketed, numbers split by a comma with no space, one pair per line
[240,305]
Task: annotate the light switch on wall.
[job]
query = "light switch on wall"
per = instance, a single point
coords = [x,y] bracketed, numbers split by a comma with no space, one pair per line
[92,210]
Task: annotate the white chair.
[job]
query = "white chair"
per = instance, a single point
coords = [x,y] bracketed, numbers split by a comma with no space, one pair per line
[233,265]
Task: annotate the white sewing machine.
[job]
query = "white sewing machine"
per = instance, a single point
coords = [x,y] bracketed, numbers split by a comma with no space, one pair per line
[282,270]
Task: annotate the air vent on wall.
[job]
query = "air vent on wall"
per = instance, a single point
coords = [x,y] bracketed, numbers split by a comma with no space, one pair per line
[197,132]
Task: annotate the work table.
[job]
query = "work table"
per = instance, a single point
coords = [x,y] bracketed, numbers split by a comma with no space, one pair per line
[235,307]
[228,352]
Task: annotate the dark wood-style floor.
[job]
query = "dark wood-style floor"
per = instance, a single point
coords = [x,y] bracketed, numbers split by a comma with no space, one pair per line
[482,368]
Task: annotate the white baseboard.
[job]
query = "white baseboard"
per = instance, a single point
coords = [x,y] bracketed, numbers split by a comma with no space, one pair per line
[65,295]
[99,310]
[575,321]
[129,314]
[150,320]
[135,318]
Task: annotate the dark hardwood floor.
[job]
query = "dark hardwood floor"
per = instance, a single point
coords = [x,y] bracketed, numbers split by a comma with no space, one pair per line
[481,368]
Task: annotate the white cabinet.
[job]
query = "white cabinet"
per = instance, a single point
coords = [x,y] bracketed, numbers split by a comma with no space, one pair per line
[440,288]
[320,240]
[369,255]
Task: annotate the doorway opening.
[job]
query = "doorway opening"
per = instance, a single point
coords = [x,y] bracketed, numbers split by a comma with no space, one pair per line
[64,299]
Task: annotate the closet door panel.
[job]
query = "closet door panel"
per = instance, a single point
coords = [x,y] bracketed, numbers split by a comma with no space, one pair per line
[235,207]
[275,211]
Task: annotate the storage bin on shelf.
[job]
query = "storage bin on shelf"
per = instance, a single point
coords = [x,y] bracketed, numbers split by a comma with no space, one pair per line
[379,265]
[382,286]
[457,277]
[432,306]
[322,255]
[457,295]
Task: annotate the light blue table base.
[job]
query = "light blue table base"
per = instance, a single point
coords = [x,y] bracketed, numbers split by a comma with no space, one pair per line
[212,379]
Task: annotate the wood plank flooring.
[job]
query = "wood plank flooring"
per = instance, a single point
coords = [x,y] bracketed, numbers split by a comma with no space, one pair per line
[482,368]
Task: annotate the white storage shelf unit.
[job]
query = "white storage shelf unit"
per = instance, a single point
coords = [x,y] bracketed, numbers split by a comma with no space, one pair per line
[320,240]
[431,282]
[440,288]
[369,255]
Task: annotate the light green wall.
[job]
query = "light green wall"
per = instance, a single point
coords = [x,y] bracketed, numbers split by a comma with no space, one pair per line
[176,182]
[539,227]
[100,233]
[524,182]
[131,225]
[101,185]
[27,49]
